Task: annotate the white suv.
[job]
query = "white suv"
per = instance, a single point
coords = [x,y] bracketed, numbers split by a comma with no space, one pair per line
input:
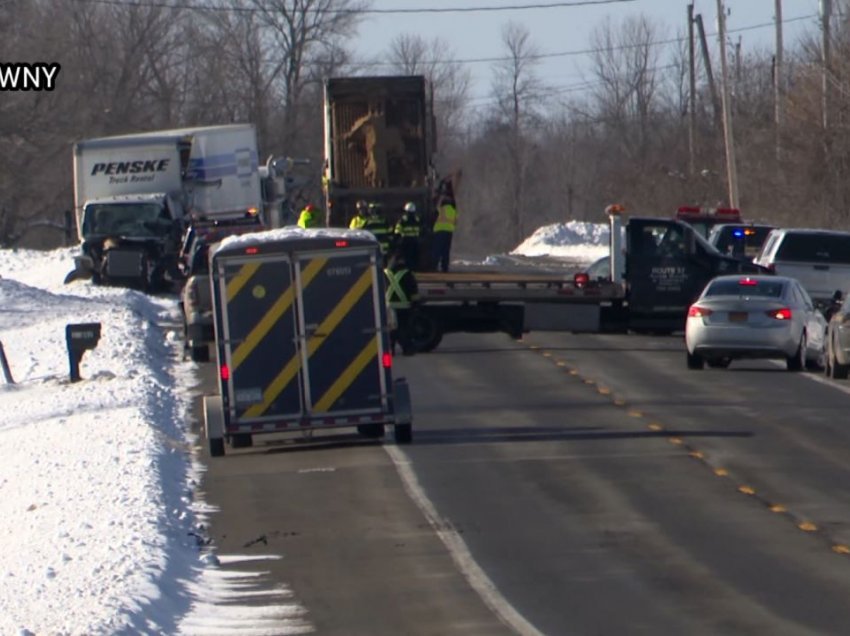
[819,259]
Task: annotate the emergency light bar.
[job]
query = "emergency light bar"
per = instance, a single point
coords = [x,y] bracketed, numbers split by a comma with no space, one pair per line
[692,212]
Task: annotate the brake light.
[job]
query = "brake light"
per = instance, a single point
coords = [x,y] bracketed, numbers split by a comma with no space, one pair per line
[581,279]
[695,311]
[780,314]
[387,360]
[225,372]
[252,250]
[341,244]
[748,282]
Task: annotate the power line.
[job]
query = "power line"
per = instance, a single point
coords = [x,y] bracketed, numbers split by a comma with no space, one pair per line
[541,56]
[161,4]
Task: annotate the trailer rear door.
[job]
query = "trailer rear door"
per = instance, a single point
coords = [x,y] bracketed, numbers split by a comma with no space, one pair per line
[260,332]
[340,303]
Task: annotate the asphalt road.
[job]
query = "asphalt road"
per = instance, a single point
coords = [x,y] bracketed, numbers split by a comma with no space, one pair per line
[564,484]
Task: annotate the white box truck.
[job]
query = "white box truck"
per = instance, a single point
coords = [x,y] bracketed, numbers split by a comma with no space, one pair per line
[302,338]
[135,194]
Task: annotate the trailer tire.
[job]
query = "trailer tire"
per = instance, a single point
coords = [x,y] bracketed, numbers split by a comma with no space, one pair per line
[214,424]
[424,332]
[403,433]
[403,411]
[199,353]
[216,447]
[372,431]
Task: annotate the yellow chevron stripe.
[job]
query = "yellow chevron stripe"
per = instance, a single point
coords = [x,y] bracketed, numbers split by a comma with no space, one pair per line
[348,376]
[274,314]
[242,277]
[276,387]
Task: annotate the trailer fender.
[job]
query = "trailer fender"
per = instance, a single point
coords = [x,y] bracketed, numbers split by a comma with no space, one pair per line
[214,424]
[403,411]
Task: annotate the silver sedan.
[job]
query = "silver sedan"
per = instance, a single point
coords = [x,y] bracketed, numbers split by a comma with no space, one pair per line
[754,317]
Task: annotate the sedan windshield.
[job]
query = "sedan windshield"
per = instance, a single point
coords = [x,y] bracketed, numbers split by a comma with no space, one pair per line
[745,287]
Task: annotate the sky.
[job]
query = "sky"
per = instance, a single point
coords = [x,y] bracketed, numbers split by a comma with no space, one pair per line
[562,34]
[102,517]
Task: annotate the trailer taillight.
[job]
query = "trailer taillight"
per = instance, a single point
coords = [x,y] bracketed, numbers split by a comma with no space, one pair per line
[225,372]
[387,360]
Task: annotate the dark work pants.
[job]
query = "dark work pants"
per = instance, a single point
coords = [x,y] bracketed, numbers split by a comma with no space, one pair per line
[442,244]
[409,248]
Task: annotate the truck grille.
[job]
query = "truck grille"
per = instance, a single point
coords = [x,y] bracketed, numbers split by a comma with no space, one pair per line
[122,263]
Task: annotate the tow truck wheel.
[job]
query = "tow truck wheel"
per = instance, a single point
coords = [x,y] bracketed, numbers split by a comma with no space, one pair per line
[403,433]
[695,361]
[425,334]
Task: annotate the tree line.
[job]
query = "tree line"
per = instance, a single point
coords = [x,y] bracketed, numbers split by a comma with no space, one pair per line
[535,154]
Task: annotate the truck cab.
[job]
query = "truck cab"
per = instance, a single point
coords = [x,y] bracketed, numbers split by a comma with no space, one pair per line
[664,267]
[131,240]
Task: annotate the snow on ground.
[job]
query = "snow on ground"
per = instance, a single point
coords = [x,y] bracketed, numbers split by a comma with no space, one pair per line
[576,240]
[101,520]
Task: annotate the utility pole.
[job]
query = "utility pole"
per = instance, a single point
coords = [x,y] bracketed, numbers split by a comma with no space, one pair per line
[778,92]
[826,14]
[692,95]
[715,103]
[728,137]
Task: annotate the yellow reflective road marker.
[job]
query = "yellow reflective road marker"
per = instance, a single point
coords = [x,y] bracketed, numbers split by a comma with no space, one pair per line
[841,549]
[655,426]
[747,490]
[604,390]
[635,414]
[721,472]
[677,441]
[807,526]
[778,508]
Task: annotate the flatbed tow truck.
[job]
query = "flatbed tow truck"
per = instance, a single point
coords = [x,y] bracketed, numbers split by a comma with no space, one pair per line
[659,267]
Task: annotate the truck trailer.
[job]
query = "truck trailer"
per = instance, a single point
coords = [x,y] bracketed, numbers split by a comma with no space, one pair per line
[134,196]
[379,144]
[302,338]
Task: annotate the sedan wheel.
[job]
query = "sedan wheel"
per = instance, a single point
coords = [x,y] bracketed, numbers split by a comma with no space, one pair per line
[695,361]
[798,360]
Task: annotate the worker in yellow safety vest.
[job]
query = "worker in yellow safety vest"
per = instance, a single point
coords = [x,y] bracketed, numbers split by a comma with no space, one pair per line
[402,295]
[307,218]
[358,222]
[444,229]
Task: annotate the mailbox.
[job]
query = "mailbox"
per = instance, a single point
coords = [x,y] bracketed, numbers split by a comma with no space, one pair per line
[80,338]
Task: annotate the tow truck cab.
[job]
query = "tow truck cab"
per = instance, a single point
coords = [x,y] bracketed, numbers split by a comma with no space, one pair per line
[663,268]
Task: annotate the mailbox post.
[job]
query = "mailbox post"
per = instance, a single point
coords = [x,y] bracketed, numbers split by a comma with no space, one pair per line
[80,338]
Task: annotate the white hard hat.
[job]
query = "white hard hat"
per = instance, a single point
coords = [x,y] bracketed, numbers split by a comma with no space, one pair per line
[410,206]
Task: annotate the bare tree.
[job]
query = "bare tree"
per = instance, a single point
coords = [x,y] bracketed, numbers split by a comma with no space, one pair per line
[411,54]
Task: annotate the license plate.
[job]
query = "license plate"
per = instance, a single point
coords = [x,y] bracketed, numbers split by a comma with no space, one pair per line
[737,316]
